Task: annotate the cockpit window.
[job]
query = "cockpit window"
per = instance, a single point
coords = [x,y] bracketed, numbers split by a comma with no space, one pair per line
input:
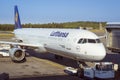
[98,40]
[91,41]
[84,40]
[80,41]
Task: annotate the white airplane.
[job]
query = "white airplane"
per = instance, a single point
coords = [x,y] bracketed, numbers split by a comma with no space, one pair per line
[77,44]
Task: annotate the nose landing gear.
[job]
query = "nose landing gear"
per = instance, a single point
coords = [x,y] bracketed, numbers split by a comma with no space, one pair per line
[80,70]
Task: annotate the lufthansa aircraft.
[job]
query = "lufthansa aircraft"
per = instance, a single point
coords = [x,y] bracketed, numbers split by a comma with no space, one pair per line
[77,44]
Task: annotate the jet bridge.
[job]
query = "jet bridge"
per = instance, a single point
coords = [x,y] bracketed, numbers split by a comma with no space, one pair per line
[113,36]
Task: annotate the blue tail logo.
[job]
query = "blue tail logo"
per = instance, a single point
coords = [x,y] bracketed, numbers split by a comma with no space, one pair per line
[17,19]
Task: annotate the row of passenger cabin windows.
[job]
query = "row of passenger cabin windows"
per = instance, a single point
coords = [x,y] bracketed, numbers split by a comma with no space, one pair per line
[83,40]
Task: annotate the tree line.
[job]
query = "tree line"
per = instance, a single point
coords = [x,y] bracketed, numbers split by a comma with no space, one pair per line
[94,25]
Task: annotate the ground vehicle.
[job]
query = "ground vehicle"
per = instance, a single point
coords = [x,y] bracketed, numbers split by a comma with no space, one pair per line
[101,70]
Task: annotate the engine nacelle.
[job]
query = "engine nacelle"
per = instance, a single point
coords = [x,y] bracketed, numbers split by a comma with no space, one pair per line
[17,54]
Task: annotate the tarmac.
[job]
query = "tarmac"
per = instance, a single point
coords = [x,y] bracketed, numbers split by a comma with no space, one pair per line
[34,69]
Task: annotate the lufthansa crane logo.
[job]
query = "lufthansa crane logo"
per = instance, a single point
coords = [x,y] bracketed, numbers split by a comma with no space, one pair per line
[59,34]
[16,17]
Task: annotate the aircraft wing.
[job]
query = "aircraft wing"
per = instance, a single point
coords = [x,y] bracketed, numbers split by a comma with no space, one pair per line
[20,44]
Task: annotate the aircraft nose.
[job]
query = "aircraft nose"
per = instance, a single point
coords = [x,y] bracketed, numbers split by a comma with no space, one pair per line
[99,52]
[92,52]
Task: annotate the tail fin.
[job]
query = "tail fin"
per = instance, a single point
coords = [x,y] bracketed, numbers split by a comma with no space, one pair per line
[17,19]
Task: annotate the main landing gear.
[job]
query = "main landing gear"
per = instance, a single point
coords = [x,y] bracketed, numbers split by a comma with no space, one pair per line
[58,57]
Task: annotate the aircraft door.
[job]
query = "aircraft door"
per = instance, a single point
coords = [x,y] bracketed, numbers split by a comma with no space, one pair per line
[68,45]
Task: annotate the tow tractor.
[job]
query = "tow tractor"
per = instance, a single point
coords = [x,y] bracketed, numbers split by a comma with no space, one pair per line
[101,70]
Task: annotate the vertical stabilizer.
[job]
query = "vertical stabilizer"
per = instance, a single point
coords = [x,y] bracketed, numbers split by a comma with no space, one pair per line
[17,19]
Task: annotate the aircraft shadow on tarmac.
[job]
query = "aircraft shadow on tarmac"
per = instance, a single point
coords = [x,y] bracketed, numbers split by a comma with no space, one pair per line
[64,61]
[115,58]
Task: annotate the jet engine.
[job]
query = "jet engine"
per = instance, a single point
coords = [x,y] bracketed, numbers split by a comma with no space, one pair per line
[17,54]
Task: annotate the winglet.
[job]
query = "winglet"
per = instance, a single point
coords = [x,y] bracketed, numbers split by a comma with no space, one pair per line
[17,19]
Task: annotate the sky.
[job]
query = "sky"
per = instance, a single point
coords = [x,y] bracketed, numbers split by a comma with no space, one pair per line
[59,11]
